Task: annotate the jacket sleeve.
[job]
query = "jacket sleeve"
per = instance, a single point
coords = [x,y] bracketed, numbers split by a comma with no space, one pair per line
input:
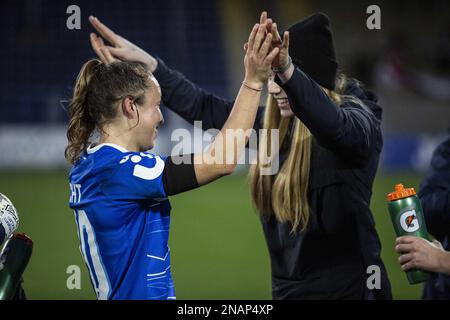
[193,103]
[435,192]
[350,129]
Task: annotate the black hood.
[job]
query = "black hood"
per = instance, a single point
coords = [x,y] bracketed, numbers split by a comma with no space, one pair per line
[369,98]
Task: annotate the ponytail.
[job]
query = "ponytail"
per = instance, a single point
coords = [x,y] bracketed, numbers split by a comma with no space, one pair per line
[81,123]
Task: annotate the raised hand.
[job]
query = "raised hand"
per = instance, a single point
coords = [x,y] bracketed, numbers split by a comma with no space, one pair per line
[120,49]
[262,21]
[259,56]
[282,59]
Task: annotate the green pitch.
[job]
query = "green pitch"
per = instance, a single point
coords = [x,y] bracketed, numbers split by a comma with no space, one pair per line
[217,246]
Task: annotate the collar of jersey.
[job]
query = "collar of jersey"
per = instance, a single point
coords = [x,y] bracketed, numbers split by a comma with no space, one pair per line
[112,145]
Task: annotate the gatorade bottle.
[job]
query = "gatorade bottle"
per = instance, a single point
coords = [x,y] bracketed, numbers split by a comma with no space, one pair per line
[407,217]
[14,256]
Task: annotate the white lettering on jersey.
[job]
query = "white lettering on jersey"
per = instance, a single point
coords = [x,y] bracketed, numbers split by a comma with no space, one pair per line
[75,193]
[149,173]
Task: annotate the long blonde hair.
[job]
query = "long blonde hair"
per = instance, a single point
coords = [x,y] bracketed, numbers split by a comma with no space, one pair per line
[286,195]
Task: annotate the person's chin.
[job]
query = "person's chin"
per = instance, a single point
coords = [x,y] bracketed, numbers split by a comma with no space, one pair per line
[148,146]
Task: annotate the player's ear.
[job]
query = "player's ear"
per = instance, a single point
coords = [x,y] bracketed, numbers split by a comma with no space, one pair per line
[129,107]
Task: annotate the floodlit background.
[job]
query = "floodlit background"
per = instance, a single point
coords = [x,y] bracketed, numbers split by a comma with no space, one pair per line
[218,249]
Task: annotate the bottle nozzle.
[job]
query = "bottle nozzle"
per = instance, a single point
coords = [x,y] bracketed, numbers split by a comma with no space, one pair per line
[400,192]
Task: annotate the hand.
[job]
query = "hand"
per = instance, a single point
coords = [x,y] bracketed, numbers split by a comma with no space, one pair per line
[257,59]
[262,20]
[121,48]
[283,57]
[419,253]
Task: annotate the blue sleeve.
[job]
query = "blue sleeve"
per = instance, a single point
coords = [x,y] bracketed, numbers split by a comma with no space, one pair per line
[137,176]
[193,103]
[435,192]
[346,129]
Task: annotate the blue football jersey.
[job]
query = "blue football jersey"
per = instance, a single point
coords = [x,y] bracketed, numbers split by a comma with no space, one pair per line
[123,217]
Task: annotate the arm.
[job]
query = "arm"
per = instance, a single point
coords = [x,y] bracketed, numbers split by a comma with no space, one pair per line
[154,177]
[347,129]
[222,156]
[418,253]
[178,93]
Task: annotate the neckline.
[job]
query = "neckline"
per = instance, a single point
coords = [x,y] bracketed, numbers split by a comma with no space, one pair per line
[91,149]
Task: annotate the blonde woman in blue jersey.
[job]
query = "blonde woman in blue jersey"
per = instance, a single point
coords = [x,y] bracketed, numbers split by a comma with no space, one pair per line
[119,190]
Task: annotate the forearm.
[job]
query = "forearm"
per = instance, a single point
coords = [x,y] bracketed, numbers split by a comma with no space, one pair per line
[222,156]
[310,103]
[349,128]
[235,132]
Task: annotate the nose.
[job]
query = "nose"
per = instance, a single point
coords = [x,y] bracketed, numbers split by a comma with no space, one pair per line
[273,87]
[161,118]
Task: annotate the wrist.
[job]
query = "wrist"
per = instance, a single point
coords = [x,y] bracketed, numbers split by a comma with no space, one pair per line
[253,84]
[283,68]
[287,74]
[151,63]
[444,262]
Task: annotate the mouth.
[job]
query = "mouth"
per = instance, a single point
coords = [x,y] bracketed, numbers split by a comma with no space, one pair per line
[283,103]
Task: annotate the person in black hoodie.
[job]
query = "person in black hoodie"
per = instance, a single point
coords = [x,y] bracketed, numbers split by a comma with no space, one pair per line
[315,211]
[433,256]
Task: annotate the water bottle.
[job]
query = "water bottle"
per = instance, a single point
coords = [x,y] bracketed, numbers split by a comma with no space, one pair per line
[408,220]
[15,254]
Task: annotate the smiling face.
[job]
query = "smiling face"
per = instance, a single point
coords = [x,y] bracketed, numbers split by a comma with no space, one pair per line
[280,97]
[150,118]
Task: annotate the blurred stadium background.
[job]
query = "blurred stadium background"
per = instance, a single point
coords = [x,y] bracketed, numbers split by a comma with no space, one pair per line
[218,249]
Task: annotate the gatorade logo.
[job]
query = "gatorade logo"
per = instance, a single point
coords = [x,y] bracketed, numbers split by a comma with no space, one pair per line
[409,222]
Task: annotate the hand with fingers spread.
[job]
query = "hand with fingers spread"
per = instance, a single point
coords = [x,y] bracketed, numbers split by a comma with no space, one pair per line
[281,60]
[419,253]
[258,57]
[262,21]
[120,49]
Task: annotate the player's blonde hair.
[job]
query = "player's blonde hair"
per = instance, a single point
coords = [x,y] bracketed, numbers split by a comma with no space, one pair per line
[286,195]
[98,89]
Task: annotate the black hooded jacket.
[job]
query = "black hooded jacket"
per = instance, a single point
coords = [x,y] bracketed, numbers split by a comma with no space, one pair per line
[330,259]
[435,198]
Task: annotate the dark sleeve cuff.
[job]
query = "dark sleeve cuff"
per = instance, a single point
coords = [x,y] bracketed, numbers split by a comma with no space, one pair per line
[179,176]
[161,69]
